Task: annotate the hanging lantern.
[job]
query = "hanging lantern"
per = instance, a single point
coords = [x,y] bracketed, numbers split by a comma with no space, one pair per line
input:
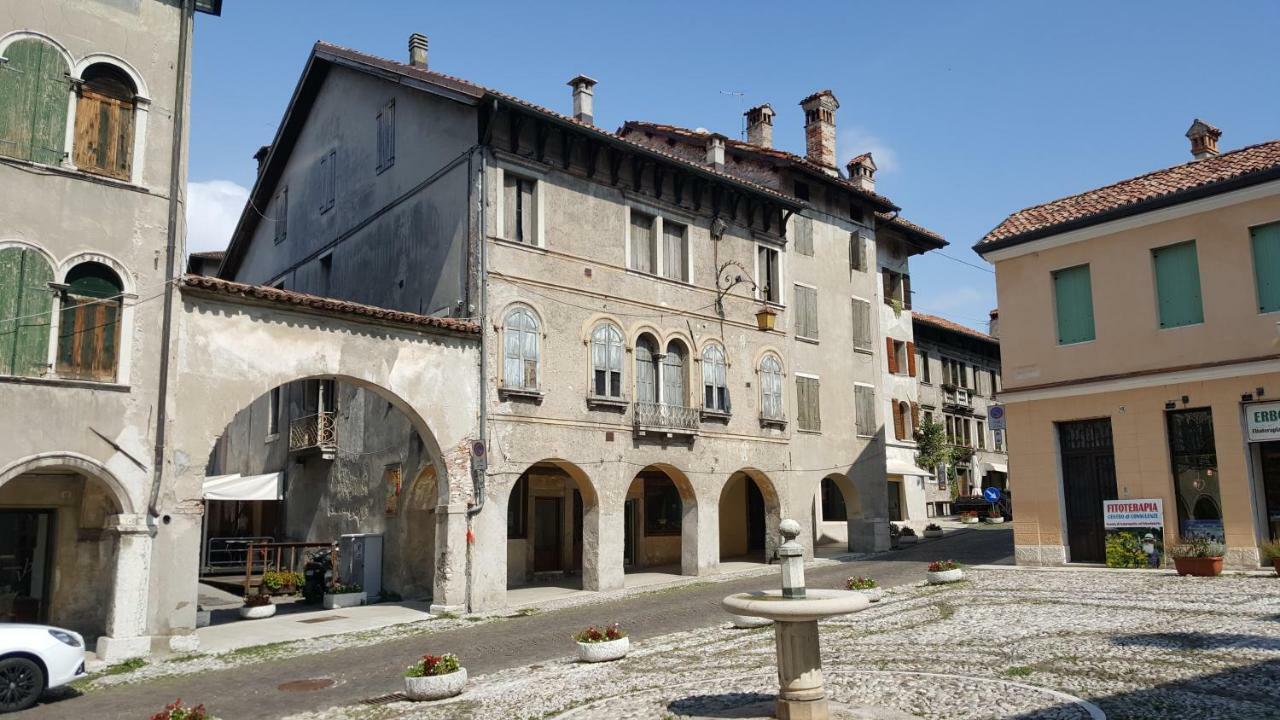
[766,318]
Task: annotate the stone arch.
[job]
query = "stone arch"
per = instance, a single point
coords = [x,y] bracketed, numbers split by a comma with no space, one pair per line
[102,58]
[553,480]
[760,540]
[79,464]
[654,544]
[835,492]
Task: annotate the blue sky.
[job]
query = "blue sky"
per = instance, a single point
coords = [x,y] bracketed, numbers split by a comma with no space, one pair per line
[973,110]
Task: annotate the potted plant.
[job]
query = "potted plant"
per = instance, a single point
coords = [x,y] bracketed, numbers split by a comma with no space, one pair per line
[944,571]
[995,517]
[175,711]
[602,644]
[969,517]
[257,607]
[1271,551]
[434,677]
[272,581]
[908,536]
[865,585]
[933,530]
[895,536]
[1198,557]
[340,595]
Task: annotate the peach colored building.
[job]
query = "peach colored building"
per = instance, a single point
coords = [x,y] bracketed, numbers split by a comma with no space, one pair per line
[1140,332]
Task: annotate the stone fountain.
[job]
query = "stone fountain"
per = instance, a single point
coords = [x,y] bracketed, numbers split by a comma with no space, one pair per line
[796,611]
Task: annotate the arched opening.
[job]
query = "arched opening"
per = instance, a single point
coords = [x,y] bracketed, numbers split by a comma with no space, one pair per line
[89,323]
[675,375]
[749,517]
[647,359]
[660,523]
[58,551]
[550,508]
[105,108]
[835,505]
[313,463]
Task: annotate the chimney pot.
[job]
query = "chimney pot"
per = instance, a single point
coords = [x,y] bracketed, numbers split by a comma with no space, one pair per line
[261,156]
[862,172]
[820,129]
[760,125]
[715,151]
[993,324]
[418,50]
[583,99]
[1204,139]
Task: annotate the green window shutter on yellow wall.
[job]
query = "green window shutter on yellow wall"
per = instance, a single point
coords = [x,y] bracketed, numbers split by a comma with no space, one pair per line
[1178,285]
[1266,265]
[25,306]
[34,92]
[1073,303]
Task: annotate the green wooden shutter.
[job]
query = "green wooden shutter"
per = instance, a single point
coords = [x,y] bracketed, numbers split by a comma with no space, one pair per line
[25,306]
[1178,285]
[49,124]
[1073,300]
[1266,265]
[19,84]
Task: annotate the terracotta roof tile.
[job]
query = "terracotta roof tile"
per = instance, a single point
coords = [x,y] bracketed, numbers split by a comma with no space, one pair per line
[209,254]
[316,302]
[945,324]
[905,224]
[1166,183]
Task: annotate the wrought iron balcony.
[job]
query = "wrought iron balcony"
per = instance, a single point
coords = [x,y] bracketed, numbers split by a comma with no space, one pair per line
[957,397]
[664,418]
[314,432]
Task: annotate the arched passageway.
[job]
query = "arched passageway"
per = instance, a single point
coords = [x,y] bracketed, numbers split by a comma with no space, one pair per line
[552,527]
[749,516]
[660,522]
[835,506]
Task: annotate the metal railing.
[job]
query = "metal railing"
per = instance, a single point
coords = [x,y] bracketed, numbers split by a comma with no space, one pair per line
[314,431]
[277,556]
[661,416]
[228,553]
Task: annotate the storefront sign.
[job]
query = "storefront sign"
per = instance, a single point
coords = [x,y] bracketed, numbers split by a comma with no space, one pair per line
[1135,532]
[1263,421]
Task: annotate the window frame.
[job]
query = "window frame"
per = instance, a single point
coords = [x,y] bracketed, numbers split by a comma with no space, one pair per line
[1268,295]
[779,391]
[386,129]
[1058,306]
[1168,295]
[799,324]
[776,281]
[328,178]
[536,331]
[858,416]
[813,415]
[719,381]
[614,338]
[123,118]
[68,310]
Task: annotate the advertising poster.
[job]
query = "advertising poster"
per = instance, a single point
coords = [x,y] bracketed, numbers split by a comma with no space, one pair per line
[1135,532]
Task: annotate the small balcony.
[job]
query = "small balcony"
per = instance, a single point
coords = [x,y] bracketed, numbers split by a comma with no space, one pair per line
[651,417]
[957,397]
[314,432]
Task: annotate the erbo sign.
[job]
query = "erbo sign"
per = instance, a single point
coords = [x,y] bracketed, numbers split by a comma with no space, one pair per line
[1263,421]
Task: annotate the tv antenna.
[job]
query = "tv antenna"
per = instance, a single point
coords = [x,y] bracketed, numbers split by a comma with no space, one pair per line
[742,119]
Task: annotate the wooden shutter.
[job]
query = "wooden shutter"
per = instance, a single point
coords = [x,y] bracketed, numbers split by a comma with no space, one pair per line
[857,252]
[674,251]
[526,210]
[104,134]
[911,359]
[1178,285]
[906,291]
[25,306]
[887,275]
[915,416]
[1073,303]
[899,431]
[641,242]
[804,235]
[34,88]
[891,355]
[646,373]
[1266,265]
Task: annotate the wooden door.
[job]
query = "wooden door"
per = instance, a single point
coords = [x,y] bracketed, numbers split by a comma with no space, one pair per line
[548,527]
[1088,478]
[895,500]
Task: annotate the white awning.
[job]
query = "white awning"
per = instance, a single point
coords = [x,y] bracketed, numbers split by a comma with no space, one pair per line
[901,467]
[995,467]
[244,487]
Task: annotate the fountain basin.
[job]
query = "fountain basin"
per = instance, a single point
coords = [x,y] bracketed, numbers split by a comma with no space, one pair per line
[817,604]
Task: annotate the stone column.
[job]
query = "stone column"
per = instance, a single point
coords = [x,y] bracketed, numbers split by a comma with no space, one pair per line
[127,613]
[801,695]
[449,587]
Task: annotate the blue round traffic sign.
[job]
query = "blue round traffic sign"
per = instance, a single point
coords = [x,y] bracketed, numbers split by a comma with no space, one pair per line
[991,494]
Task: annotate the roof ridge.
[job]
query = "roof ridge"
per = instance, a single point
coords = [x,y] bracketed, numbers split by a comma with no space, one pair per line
[951,324]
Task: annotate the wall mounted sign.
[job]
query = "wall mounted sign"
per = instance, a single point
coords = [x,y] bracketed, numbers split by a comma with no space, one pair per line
[1262,421]
[1135,532]
[995,417]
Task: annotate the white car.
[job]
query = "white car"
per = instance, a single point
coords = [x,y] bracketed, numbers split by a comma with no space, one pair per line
[34,658]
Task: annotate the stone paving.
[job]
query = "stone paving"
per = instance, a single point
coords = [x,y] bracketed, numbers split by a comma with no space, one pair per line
[1024,644]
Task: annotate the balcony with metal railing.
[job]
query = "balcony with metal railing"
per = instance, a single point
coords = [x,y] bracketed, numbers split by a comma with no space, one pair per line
[652,417]
[314,432]
[956,397]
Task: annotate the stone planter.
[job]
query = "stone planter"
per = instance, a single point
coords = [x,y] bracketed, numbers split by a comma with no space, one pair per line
[434,687]
[1198,567]
[933,533]
[875,594]
[908,539]
[344,600]
[994,520]
[258,612]
[942,577]
[203,618]
[969,520]
[604,651]
[746,622]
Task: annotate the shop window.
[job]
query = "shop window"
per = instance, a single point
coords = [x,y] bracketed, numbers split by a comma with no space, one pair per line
[1194,459]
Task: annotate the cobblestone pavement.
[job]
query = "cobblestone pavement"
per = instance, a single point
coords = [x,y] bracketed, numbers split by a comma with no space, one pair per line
[1024,644]
[244,684]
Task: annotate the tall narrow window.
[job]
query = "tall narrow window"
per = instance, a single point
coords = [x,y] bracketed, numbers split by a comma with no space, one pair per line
[861,325]
[328,180]
[806,312]
[675,249]
[923,362]
[1266,265]
[89,324]
[1194,459]
[521,338]
[982,435]
[857,252]
[325,275]
[715,386]
[767,277]
[25,307]
[804,235]
[34,87]
[606,361]
[864,409]
[387,136]
[674,383]
[646,370]
[1073,303]
[771,388]
[517,206]
[1178,285]
[104,122]
[809,408]
[282,215]
[273,411]
[644,255]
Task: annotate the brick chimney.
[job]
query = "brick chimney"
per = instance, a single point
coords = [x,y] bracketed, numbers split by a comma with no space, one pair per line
[820,128]
[760,125]
[1204,139]
[715,151]
[862,172]
[583,99]
[418,50]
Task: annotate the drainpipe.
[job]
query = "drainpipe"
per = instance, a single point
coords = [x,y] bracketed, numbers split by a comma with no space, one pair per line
[171,249]
[478,476]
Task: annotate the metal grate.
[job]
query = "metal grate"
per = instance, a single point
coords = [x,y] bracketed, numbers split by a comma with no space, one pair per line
[385,699]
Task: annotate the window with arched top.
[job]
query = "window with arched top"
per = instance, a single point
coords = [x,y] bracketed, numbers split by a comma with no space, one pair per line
[771,389]
[646,369]
[105,105]
[674,385]
[34,87]
[89,323]
[26,304]
[521,348]
[715,386]
[606,361]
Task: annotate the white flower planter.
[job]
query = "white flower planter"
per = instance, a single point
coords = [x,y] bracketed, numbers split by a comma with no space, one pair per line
[969,520]
[873,595]
[908,539]
[747,622]
[604,651]
[943,577]
[343,600]
[995,520]
[434,687]
[258,612]
[933,533]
